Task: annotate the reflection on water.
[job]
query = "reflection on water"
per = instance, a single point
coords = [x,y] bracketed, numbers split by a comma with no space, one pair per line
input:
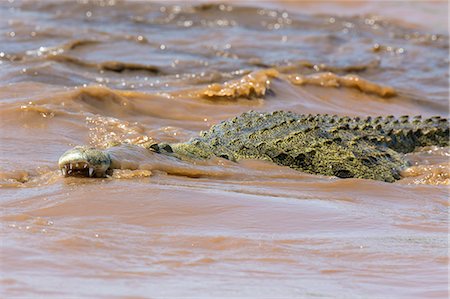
[100,72]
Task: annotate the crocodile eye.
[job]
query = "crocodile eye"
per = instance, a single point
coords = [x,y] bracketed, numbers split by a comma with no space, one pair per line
[167,148]
[154,147]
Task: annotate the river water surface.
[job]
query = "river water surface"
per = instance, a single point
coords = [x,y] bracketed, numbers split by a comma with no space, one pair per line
[95,72]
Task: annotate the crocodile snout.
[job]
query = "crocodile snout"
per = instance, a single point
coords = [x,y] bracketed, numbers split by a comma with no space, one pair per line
[86,162]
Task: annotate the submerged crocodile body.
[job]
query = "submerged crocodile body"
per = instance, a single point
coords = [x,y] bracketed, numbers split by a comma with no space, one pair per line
[369,148]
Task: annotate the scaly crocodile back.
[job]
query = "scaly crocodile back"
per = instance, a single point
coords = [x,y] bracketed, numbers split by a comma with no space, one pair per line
[321,144]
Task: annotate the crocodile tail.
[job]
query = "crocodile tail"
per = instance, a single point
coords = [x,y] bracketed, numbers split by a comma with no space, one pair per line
[435,132]
[404,135]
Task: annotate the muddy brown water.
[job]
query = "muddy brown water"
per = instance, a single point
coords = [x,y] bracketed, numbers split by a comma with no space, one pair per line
[92,72]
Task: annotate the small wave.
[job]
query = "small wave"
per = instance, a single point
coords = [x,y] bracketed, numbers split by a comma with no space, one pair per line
[330,79]
[101,100]
[131,174]
[438,174]
[68,46]
[430,166]
[256,84]
[105,131]
[23,178]
[306,66]
[60,54]
[43,111]
[113,66]
[253,85]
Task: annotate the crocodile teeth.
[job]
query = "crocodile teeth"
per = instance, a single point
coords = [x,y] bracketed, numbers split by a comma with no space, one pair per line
[70,165]
[63,171]
[69,172]
[91,171]
[85,166]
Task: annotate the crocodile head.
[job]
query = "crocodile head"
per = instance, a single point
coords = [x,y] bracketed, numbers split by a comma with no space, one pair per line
[85,161]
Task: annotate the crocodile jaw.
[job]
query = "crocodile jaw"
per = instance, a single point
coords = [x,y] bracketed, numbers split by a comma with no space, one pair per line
[85,161]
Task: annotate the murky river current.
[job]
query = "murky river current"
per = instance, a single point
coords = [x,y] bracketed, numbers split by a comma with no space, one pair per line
[96,72]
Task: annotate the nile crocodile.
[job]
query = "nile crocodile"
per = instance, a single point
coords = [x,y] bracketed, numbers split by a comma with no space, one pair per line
[368,148]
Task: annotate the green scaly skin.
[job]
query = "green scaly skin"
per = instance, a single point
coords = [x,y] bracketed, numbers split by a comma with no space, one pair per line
[368,148]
